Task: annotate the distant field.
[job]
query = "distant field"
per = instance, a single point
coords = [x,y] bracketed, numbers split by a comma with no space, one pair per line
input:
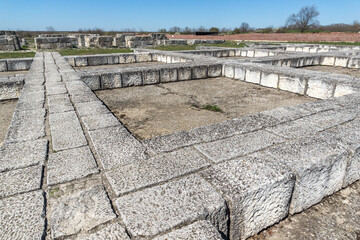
[292,37]
[91,51]
[17,55]
[230,44]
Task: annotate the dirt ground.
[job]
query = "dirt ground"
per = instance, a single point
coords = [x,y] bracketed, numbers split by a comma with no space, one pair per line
[12,73]
[119,66]
[154,110]
[6,109]
[295,37]
[337,70]
[336,217]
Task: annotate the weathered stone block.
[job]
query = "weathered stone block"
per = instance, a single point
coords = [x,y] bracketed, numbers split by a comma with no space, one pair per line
[229,71]
[3,66]
[184,73]
[92,81]
[151,76]
[111,232]
[327,61]
[97,60]
[253,76]
[239,73]
[98,121]
[199,72]
[269,79]
[295,129]
[215,70]
[168,75]
[131,78]
[111,80]
[156,210]
[91,108]
[81,61]
[292,84]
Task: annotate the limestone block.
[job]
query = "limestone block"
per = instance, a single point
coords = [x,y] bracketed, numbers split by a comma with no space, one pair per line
[56,89]
[23,216]
[72,211]
[341,61]
[113,59]
[238,145]
[131,78]
[346,88]
[3,66]
[321,87]
[243,53]
[97,60]
[91,108]
[215,70]
[293,84]
[229,71]
[81,61]
[319,166]
[20,180]
[285,114]
[98,121]
[170,142]
[199,72]
[353,63]
[111,80]
[253,76]
[225,53]
[327,61]
[257,189]
[239,73]
[294,129]
[151,76]
[86,96]
[320,105]
[156,169]
[156,210]
[111,232]
[116,147]
[200,230]
[269,80]
[261,53]
[93,81]
[19,64]
[168,75]
[250,53]
[143,57]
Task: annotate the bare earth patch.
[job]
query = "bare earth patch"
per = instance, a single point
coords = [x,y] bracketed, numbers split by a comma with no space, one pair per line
[154,110]
[337,70]
[6,109]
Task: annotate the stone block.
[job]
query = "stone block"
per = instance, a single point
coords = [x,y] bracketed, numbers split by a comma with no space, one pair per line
[19,64]
[92,81]
[151,76]
[253,76]
[71,211]
[69,165]
[215,70]
[97,60]
[294,129]
[111,80]
[184,73]
[91,108]
[3,66]
[285,114]
[81,61]
[56,89]
[320,105]
[23,216]
[112,232]
[257,189]
[321,87]
[116,147]
[157,169]
[327,61]
[98,121]
[229,71]
[131,78]
[292,84]
[143,57]
[238,145]
[168,75]
[20,180]
[82,97]
[269,80]
[319,167]
[239,73]
[170,142]
[200,230]
[199,72]
[156,210]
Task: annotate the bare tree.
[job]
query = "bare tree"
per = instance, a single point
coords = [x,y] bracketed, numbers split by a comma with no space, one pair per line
[356,26]
[50,29]
[244,27]
[304,19]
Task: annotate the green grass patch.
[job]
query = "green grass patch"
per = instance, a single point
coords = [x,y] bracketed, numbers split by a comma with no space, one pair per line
[6,55]
[176,47]
[213,108]
[92,51]
[228,44]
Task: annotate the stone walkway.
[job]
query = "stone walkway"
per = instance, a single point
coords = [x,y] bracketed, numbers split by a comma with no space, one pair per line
[70,170]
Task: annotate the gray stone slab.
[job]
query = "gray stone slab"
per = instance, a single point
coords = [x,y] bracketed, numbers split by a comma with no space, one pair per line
[319,106]
[98,121]
[111,80]
[200,230]
[81,97]
[155,210]
[168,75]
[238,145]
[151,76]
[294,129]
[258,192]
[57,89]
[199,72]
[20,180]
[23,216]
[24,154]
[170,142]
[289,113]
[184,73]
[111,232]
[66,131]
[319,166]
[154,170]
[73,210]
[59,103]
[116,147]
[131,78]
[70,165]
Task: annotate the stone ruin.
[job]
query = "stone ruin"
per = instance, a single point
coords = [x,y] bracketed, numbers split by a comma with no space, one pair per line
[9,41]
[70,169]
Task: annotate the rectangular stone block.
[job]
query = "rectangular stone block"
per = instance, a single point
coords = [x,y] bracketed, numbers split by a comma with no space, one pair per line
[292,84]
[269,80]
[229,71]
[256,201]
[168,75]
[156,210]
[294,129]
[97,60]
[98,121]
[321,88]
[239,73]
[215,70]
[199,72]
[81,61]
[19,64]
[91,108]
[116,147]
[131,78]
[3,66]
[327,61]
[92,81]
[285,114]
[114,231]
[111,80]
[156,169]
[151,76]
[253,76]
[59,103]
[319,167]
[238,145]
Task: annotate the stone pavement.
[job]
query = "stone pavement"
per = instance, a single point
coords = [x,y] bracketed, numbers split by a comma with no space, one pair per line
[71,170]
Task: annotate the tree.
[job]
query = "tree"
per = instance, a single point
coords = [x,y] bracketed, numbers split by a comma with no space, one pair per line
[356,26]
[304,19]
[214,29]
[163,30]
[244,28]
[50,29]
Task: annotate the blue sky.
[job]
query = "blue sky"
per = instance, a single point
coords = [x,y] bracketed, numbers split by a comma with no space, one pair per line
[151,15]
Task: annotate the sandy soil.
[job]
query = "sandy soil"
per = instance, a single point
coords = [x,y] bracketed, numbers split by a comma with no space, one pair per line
[6,109]
[119,66]
[154,110]
[337,70]
[12,73]
[336,217]
[296,37]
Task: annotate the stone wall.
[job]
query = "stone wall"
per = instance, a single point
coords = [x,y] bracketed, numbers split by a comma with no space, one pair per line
[56,42]
[9,41]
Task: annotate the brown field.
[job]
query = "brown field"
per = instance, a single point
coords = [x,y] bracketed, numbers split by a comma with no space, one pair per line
[293,37]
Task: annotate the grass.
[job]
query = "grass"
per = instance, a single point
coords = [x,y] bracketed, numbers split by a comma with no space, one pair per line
[228,44]
[213,108]
[6,55]
[92,51]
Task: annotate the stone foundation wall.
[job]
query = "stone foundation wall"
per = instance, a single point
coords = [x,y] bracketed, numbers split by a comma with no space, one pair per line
[9,41]
[56,42]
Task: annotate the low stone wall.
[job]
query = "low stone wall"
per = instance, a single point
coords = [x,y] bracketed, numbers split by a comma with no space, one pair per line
[16,64]
[56,42]
[11,86]
[9,41]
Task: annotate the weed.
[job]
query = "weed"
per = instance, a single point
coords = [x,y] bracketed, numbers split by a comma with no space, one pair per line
[5,55]
[213,108]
